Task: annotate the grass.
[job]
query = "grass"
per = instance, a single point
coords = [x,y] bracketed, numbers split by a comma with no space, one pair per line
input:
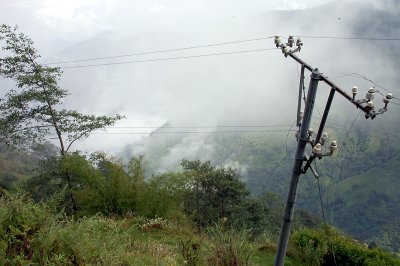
[264,258]
[100,240]
[31,235]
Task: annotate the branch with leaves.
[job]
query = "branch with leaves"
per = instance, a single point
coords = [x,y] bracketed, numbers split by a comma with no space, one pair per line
[31,112]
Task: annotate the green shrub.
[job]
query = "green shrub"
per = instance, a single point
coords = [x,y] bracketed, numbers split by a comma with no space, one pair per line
[314,247]
[20,221]
[230,247]
[189,249]
[310,246]
[94,240]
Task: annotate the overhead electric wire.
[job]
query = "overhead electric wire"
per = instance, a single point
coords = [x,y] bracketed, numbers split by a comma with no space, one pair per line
[327,232]
[347,38]
[216,126]
[327,122]
[161,51]
[336,163]
[280,162]
[189,132]
[374,85]
[364,78]
[217,44]
[169,58]
[328,236]
[277,128]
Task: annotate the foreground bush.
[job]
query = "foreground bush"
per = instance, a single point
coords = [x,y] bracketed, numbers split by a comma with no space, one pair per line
[315,247]
[20,221]
[31,235]
[230,247]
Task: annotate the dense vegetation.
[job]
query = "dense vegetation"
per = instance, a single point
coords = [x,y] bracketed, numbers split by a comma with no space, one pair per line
[200,215]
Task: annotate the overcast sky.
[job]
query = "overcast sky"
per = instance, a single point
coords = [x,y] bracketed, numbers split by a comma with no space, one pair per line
[72,21]
[231,89]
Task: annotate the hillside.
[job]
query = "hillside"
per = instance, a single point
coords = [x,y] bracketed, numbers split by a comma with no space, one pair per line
[361,178]
[34,234]
[366,203]
[16,166]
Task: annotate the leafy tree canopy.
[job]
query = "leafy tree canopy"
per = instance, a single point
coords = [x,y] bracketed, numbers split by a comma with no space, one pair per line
[215,193]
[31,111]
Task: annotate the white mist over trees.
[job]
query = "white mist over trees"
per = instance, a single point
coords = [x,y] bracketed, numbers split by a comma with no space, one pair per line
[237,89]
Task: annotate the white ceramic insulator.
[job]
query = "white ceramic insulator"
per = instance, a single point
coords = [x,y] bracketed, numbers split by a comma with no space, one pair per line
[310,131]
[325,135]
[277,40]
[333,146]
[354,90]
[370,104]
[370,94]
[317,149]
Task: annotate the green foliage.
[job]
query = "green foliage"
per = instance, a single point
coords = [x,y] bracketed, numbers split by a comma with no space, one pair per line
[389,237]
[190,251]
[20,220]
[314,247]
[251,216]
[162,195]
[362,207]
[100,242]
[46,180]
[31,235]
[213,193]
[30,112]
[230,247]
[93,186]
[311,246]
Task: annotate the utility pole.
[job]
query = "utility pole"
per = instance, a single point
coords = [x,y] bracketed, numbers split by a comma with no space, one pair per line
[305,134]
[299,159]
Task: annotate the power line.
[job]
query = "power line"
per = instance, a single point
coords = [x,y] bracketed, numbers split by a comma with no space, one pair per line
[190,132]
[328,189]
[169,58]
[160,51]
[277,128]
[280,162]
[217,44]
[216,126]
[348,38]
[327,122]
[340,153]
[325,224]
[369,80]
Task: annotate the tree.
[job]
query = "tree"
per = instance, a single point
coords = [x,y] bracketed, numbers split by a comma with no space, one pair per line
[29,113]
[96,185]
[213,194]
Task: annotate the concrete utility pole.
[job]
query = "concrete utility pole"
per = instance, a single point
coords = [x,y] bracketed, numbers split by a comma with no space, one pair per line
[299,159]
[304,136]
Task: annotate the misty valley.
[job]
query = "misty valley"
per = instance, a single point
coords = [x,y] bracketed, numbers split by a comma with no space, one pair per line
[151,133]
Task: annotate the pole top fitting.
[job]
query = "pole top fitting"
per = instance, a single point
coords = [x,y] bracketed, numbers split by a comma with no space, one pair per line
[315,74]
